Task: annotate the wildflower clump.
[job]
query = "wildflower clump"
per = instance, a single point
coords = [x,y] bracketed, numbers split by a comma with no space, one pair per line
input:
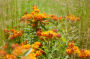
[48,34]
[2,52]
[14,45]
[21,50]
[72,17]
[54,17]
[74,50]
[39,27]
[34,17]
[35,50]
[10,56]
[84,53]
[13,33]
[36,45]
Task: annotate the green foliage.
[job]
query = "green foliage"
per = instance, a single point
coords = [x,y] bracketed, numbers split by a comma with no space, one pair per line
[13,10]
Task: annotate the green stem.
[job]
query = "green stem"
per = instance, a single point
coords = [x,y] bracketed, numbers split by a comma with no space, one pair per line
[48,45]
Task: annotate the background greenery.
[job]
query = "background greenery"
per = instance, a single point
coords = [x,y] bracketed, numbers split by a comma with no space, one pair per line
[12,10]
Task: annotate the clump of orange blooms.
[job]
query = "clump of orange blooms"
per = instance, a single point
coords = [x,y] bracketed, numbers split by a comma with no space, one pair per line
[72,49]
[14,45]
[34,17]
[36,51]
[34,54]
[55,18]
[37,20]
[13,33]
[2,52]
[30,56]
[21,49]
[84,53]
[48,34]
[72,17]
[36,45]
[10,56]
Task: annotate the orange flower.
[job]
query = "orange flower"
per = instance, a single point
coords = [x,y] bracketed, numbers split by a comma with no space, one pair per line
[29,16]
[87,53]
[39,17]
[60,18]
[54,30]
[14,45]
[11,37]
[72,17]
[23,18]
[34,7]
[13,30]
[72,49]
[78,18]
[38,53]
[54,17]
[68,51]
[31,56]
[82,53]
[36,45]
[21,50]
[27,22]
[36,10]
[58,35]
[10,56]
[71,44]
[2,52]
[6,30]
[33,25]
[50,34]
[19,33]
[38,33]
[15,34]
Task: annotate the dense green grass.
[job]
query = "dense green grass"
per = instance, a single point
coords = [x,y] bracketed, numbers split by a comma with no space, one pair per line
[12,10]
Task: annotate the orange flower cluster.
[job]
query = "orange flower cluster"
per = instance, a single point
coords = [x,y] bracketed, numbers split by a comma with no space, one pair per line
[55,18]
[84,53]
[39,52]
[36,45]
[47,34]
[30,56]
[21,50]
[10,56]
[34,17]
[72,49]
[13,33]
[14,45]
[72,17]
[36,51]
[34,54]
[2,52]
